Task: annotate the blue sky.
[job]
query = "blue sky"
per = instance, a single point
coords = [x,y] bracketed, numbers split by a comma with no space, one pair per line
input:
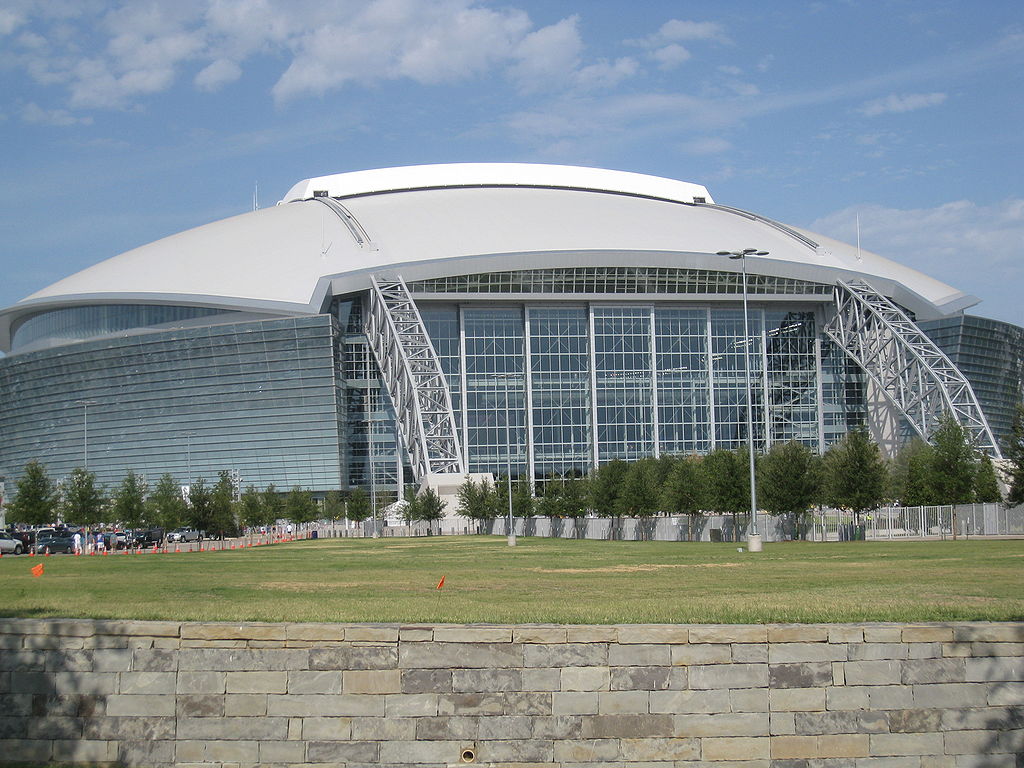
[125,122]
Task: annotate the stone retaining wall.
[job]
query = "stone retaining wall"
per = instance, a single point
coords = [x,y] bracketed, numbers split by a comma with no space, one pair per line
[787,696]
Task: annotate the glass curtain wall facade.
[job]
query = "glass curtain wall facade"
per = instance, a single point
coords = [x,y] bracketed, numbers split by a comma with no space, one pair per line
[261,399]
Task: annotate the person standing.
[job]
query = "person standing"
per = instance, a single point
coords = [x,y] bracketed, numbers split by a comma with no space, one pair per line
[76,541]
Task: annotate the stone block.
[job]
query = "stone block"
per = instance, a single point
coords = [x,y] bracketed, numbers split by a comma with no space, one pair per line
[644,678]
[573,703]
[418,752]
[883,633]
[781,723]
[796,700]
[21,705]
[890,697]
[427,681]
[927,634]
[379,681]
[749,653]
[534,703]
[980,650]
[703,677]
[557,727]
[307,682]
[586,751]
[201,682]
[748,699]
[347,752]
[914,720]
[84,751]
[1006,694]
[67,661]
[341,705]
[794,747]
[472,634]
[43,728]
[435,655]
[260,682]
[506,727]
[925,650]
[639,655]
[791,653]
[827,723]
[878,651]
[146,682]
[585,679]
[145,753]
[383,728]
[411,705]
[243,659]
[943,694]
[646,634]
[523,752]
[26,750]
[724,724]
[127,705]
[728,633]
[234,728]
[83,682]
[658,750]
[154,660]
[740,748]
[353,657]
[798,633]
[200,705]
[801,675]
[996,668]
[282,752]
[371,633]
[537,633]
[873,672]
[934,671]
[23,661]
[330,728]
[894,744]
[846,697]
[623,702]
[37,683]
[982,718]
[471,704]
[541,679]
[448,728]
[245,705]
[225,631]
[845,633]
[990,632]
[690,701]
[701,653]
[591,634]
[627,726]
[130,728]
[415,634]
[564,655]
[486,680]
[315,633]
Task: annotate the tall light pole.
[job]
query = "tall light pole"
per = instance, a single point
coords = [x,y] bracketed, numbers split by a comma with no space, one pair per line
[85,430]
[753,538]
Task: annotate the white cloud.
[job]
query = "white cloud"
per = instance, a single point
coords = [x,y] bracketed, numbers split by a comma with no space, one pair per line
[549,56]
[710,145]
[896,103]
[10,20]
[671,56]
[218,74]
[33,113]
[676,29]
[975,248]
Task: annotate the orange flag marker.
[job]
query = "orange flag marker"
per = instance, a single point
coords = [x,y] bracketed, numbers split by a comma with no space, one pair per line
[440,583]
[37,570]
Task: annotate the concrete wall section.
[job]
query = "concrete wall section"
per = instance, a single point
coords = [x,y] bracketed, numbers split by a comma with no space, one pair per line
[786,696]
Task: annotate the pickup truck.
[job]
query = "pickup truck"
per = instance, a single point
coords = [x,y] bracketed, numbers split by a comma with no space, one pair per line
[185,534]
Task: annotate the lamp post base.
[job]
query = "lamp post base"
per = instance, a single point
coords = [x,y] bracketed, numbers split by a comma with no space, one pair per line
[754,542]
[511,539]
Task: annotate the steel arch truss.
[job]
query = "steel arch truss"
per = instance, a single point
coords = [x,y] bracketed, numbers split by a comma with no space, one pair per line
[413,377]
[913,373]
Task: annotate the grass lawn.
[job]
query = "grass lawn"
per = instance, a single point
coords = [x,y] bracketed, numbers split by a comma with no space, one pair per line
[541,580]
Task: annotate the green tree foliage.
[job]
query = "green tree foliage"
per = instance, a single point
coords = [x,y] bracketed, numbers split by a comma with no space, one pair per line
[429,505]
[37,498]
[986,484]
[684,491]
[129,503]
[550,504]
[273,505]
[200,506]
[606,486]
[953,465]
[727,480]
[300,506]
[523,503]
[854,475]
[789,482]
[82,502]
[411,511]
[166,507]
[334,506]
[1013,453]
[640,490]
[475,500]
[222,507]
[250,508]
[573,496]
[911,475]
[358,507]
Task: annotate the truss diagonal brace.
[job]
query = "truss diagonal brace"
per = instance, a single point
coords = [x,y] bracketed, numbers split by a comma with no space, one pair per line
[414,379]
[910,370]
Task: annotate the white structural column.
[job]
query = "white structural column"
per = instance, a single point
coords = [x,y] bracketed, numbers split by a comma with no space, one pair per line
[913,373]
[414,379]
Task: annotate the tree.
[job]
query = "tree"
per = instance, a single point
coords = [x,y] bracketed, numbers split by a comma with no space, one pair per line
[411,511]
[358,508]
[222,502]
[911,475]
[129,502]
[574,496]
[606,486]
[727,479]
[250,508]
[854,474]
[1013,453]
[523,503]
[953,469]
[37,497]
[986,484]
[640,490]
[273,505]
[789,482]
[299,506]
[475,500]
[83,501]
[429,506]
[167,507]
[550,503]
[684,491]
[200,506]
[334,507]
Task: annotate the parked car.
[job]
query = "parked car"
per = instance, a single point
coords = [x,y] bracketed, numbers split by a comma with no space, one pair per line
[147,537]
[53,544]
[10,545]
[185,534]
[27,538]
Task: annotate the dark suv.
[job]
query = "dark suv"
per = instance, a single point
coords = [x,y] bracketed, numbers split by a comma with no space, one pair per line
[147,537]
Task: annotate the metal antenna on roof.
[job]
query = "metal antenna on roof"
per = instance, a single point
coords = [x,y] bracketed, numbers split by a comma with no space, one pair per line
[858,236]
[256,197]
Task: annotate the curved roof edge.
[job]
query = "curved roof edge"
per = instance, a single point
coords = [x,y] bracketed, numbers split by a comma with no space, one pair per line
[444,175]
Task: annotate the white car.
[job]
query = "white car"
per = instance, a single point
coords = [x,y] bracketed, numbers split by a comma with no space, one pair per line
[10,545]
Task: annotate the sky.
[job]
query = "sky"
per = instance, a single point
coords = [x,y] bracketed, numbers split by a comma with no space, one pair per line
[125,122]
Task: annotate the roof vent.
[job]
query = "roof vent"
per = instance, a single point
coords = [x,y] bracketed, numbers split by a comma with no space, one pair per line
[700,199]
[320,193]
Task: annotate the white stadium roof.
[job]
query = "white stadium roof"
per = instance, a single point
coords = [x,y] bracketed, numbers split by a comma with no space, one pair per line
[432,221]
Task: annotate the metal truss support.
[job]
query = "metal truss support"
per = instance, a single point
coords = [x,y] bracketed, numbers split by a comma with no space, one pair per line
[413,377]
[913,373]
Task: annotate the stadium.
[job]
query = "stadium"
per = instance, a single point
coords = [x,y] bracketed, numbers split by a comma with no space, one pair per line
[418,324]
